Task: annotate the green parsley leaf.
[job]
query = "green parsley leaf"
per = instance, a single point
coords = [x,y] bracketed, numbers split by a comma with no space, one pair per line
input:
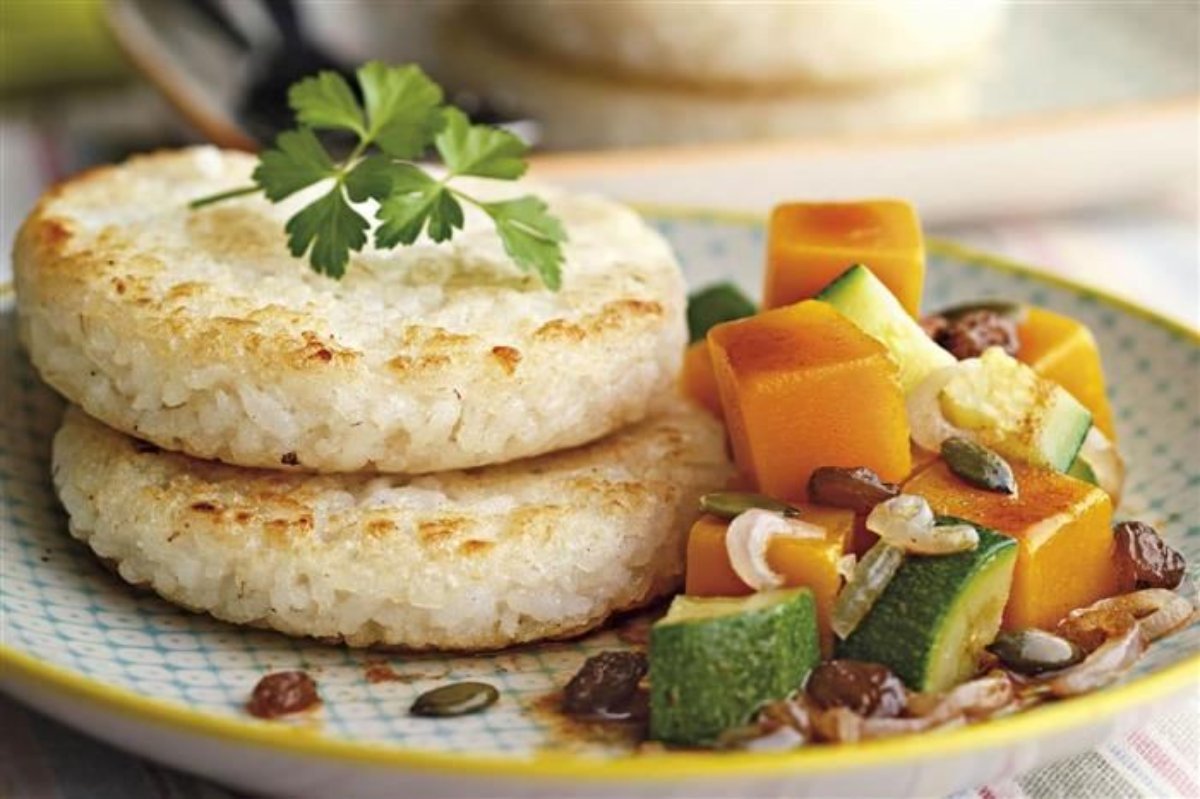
[531,236]
[419,204]
[403,215]
[295,162]
[403,108]
[371,178]
[400,117]
[479,150]
[326,101]
[332,228]
[445,217]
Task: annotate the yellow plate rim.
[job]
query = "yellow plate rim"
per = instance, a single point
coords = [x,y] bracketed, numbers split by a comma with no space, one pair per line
[18,667]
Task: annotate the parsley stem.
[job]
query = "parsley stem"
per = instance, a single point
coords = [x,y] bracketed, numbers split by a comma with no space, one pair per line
[225,195]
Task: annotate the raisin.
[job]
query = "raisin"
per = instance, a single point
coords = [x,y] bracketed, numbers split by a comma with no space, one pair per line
[1144,559]
[967,336]
[858,489]
[606,685]
[282,693]
[868,689]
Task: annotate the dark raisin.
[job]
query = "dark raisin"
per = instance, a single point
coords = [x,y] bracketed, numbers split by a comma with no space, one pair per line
[606,685]
[858,489]
[289,459]
[282,693]
[868,689]
[1144,559]
[970,334]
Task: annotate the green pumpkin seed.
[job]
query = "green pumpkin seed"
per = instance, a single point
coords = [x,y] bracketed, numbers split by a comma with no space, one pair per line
[731,504]
[455,699]
[1010,310]
[978,465]
[1034,651]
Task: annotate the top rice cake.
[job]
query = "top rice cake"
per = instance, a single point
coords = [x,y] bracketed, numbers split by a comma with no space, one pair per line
[198,331]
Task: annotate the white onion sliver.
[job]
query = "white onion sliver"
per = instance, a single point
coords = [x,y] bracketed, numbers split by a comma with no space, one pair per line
[748,537]
[975,699]
[1175,612]
[907,522]
[927,425]
[1102,666]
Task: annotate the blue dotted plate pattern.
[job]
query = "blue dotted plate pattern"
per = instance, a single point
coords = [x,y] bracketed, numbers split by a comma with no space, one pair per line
[60,605]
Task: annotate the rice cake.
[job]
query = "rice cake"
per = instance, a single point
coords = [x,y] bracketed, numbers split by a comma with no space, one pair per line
[478,559]
[198,331]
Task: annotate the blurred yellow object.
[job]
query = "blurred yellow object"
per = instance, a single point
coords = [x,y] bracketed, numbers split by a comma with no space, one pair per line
[55,43]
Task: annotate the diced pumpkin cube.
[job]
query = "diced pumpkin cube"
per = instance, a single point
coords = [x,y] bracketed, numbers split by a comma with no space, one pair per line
[804,387]
[1063,350]
[810,563]
[709,572]
[1063,527]
[697,379]
[810,244]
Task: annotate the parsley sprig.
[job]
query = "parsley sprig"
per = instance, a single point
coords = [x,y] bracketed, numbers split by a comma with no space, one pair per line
[404,115]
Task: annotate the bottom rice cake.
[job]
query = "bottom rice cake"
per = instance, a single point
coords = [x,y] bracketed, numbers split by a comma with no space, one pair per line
[1063,527]
[469,560]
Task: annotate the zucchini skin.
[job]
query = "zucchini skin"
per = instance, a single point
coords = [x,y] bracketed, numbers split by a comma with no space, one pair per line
[709,675]
[903,627]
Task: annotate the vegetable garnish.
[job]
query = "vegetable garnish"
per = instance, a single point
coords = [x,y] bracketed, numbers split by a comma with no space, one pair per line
[750,535]
[405,114]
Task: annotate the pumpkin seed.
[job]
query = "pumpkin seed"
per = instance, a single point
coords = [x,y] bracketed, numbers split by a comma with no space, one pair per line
[978,465]
[731,504]
[455,699]
[1010,310]
[1034,651]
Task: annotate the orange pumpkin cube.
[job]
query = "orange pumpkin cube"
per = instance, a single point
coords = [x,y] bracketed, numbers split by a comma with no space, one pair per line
[810,244]
[1063,529]
[697,380]
[1063,350]
[802,562]
[804,387]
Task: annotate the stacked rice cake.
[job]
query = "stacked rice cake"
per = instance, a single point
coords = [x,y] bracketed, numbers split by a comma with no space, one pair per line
[434,452]
[595,73]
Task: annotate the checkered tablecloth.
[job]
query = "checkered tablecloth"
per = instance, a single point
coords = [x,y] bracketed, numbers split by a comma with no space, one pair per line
[1149,253]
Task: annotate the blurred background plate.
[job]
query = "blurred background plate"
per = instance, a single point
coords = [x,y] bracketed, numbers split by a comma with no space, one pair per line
[1018,108]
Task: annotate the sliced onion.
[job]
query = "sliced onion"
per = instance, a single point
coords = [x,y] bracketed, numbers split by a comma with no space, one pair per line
[1112,659]
[1175,613]
[842,725]
[907,522]
[845,566]
[1102,456]
[975,699]
[749,536]
[1156,610]
[871,577]
[927,424]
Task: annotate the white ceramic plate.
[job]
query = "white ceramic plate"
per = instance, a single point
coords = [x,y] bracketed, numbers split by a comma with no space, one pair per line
[1081,103]
[167,684]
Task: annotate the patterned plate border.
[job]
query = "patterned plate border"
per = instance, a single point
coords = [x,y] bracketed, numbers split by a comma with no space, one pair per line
[1052,719]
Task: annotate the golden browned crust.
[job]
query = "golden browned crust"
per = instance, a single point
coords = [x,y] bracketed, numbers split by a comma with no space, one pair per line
[196,329]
